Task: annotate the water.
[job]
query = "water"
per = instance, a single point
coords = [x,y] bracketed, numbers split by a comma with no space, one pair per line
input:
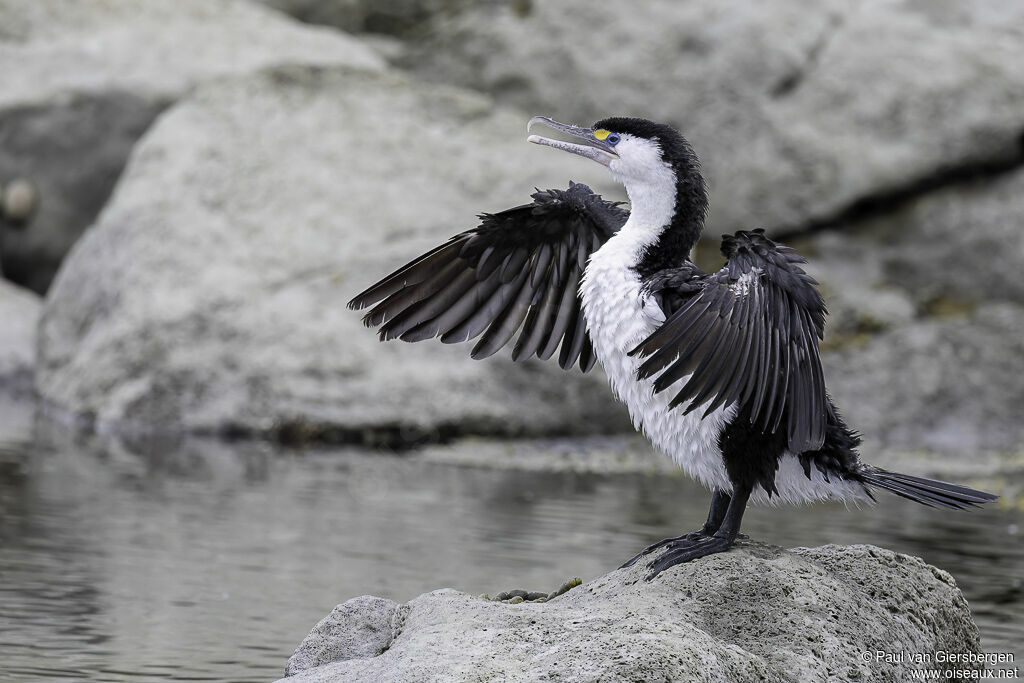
[211,561]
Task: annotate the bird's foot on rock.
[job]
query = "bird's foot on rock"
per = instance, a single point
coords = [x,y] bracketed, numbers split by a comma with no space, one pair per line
[677,541]
[687,551]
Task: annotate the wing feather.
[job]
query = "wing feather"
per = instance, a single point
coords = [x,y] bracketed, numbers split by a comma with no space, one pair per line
[575,335]
[518,272]
[564,316]
[414,272]
[747,336]
[538,321]
[504,327]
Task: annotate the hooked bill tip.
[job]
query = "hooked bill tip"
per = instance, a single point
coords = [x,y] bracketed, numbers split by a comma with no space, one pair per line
[535,119]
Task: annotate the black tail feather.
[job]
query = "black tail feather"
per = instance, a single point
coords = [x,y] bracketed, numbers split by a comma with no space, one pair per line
[930,492]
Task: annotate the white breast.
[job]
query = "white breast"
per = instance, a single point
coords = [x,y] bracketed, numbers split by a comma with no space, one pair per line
[618,318]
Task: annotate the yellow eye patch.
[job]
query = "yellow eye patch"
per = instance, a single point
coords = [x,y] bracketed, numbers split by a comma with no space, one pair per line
[601,133]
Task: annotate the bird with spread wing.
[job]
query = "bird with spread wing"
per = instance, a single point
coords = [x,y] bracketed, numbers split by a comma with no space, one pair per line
[721,371]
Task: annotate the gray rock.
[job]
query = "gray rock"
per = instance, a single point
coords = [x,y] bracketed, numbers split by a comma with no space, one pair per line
[935,255]
[211,293]
[19,316]
[860,99]
[83,79]
[925,319]
[963,244]
[361,628]
[950,385]
[756,613]
[17,428]
[861,300]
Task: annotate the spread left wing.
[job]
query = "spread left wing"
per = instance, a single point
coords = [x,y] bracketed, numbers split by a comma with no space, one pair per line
[520,269]
[746,335]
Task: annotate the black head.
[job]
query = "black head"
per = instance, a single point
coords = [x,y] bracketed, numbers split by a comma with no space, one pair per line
[691,200]
[675,149]
[659,169]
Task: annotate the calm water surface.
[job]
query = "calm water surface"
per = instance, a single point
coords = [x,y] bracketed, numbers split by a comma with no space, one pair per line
[211,561]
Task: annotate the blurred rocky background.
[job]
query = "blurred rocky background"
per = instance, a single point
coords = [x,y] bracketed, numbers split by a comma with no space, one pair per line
[192,190]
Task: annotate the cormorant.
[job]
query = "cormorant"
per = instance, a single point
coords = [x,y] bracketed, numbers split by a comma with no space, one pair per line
[720,370]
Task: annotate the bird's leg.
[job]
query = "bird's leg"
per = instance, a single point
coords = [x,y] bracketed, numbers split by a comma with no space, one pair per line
[718,542]
[719,505]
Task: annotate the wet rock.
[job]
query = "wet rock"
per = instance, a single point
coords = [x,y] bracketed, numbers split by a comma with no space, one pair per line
[756,613]
[19,316]
[859,101]
[211,294]
[83,79]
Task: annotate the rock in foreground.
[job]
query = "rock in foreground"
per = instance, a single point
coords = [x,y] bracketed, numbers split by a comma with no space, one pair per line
[757,613]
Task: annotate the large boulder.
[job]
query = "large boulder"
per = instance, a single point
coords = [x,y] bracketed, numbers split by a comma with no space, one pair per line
[926,318]
[83,79]
[756,613]
[19,316]
[210,295]
[859,101]
[961,245]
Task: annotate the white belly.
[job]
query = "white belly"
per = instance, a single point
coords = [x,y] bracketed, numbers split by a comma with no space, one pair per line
[618,320]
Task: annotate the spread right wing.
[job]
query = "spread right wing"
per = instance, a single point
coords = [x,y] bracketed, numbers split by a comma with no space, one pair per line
[518,271]
[747,336]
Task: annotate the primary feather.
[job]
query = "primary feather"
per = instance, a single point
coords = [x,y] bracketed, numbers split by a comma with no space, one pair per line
[518,272]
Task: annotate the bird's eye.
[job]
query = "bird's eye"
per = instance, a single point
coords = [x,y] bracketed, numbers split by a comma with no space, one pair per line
[613,139]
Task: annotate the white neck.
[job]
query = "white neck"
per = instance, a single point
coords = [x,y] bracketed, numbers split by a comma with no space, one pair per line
[652,202]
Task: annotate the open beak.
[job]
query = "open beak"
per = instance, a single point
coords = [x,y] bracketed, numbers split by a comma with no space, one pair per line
[598,150]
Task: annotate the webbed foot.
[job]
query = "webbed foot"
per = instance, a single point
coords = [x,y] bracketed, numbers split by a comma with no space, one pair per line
[688,551]
[691,537]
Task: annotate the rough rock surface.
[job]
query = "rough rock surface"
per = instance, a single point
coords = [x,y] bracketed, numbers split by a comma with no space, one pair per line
[756,613]
[83,79]
[361,628]
[19,316]
[211,293]
[861,99]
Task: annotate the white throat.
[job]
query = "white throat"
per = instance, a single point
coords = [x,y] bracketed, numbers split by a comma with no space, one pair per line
[651,187]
